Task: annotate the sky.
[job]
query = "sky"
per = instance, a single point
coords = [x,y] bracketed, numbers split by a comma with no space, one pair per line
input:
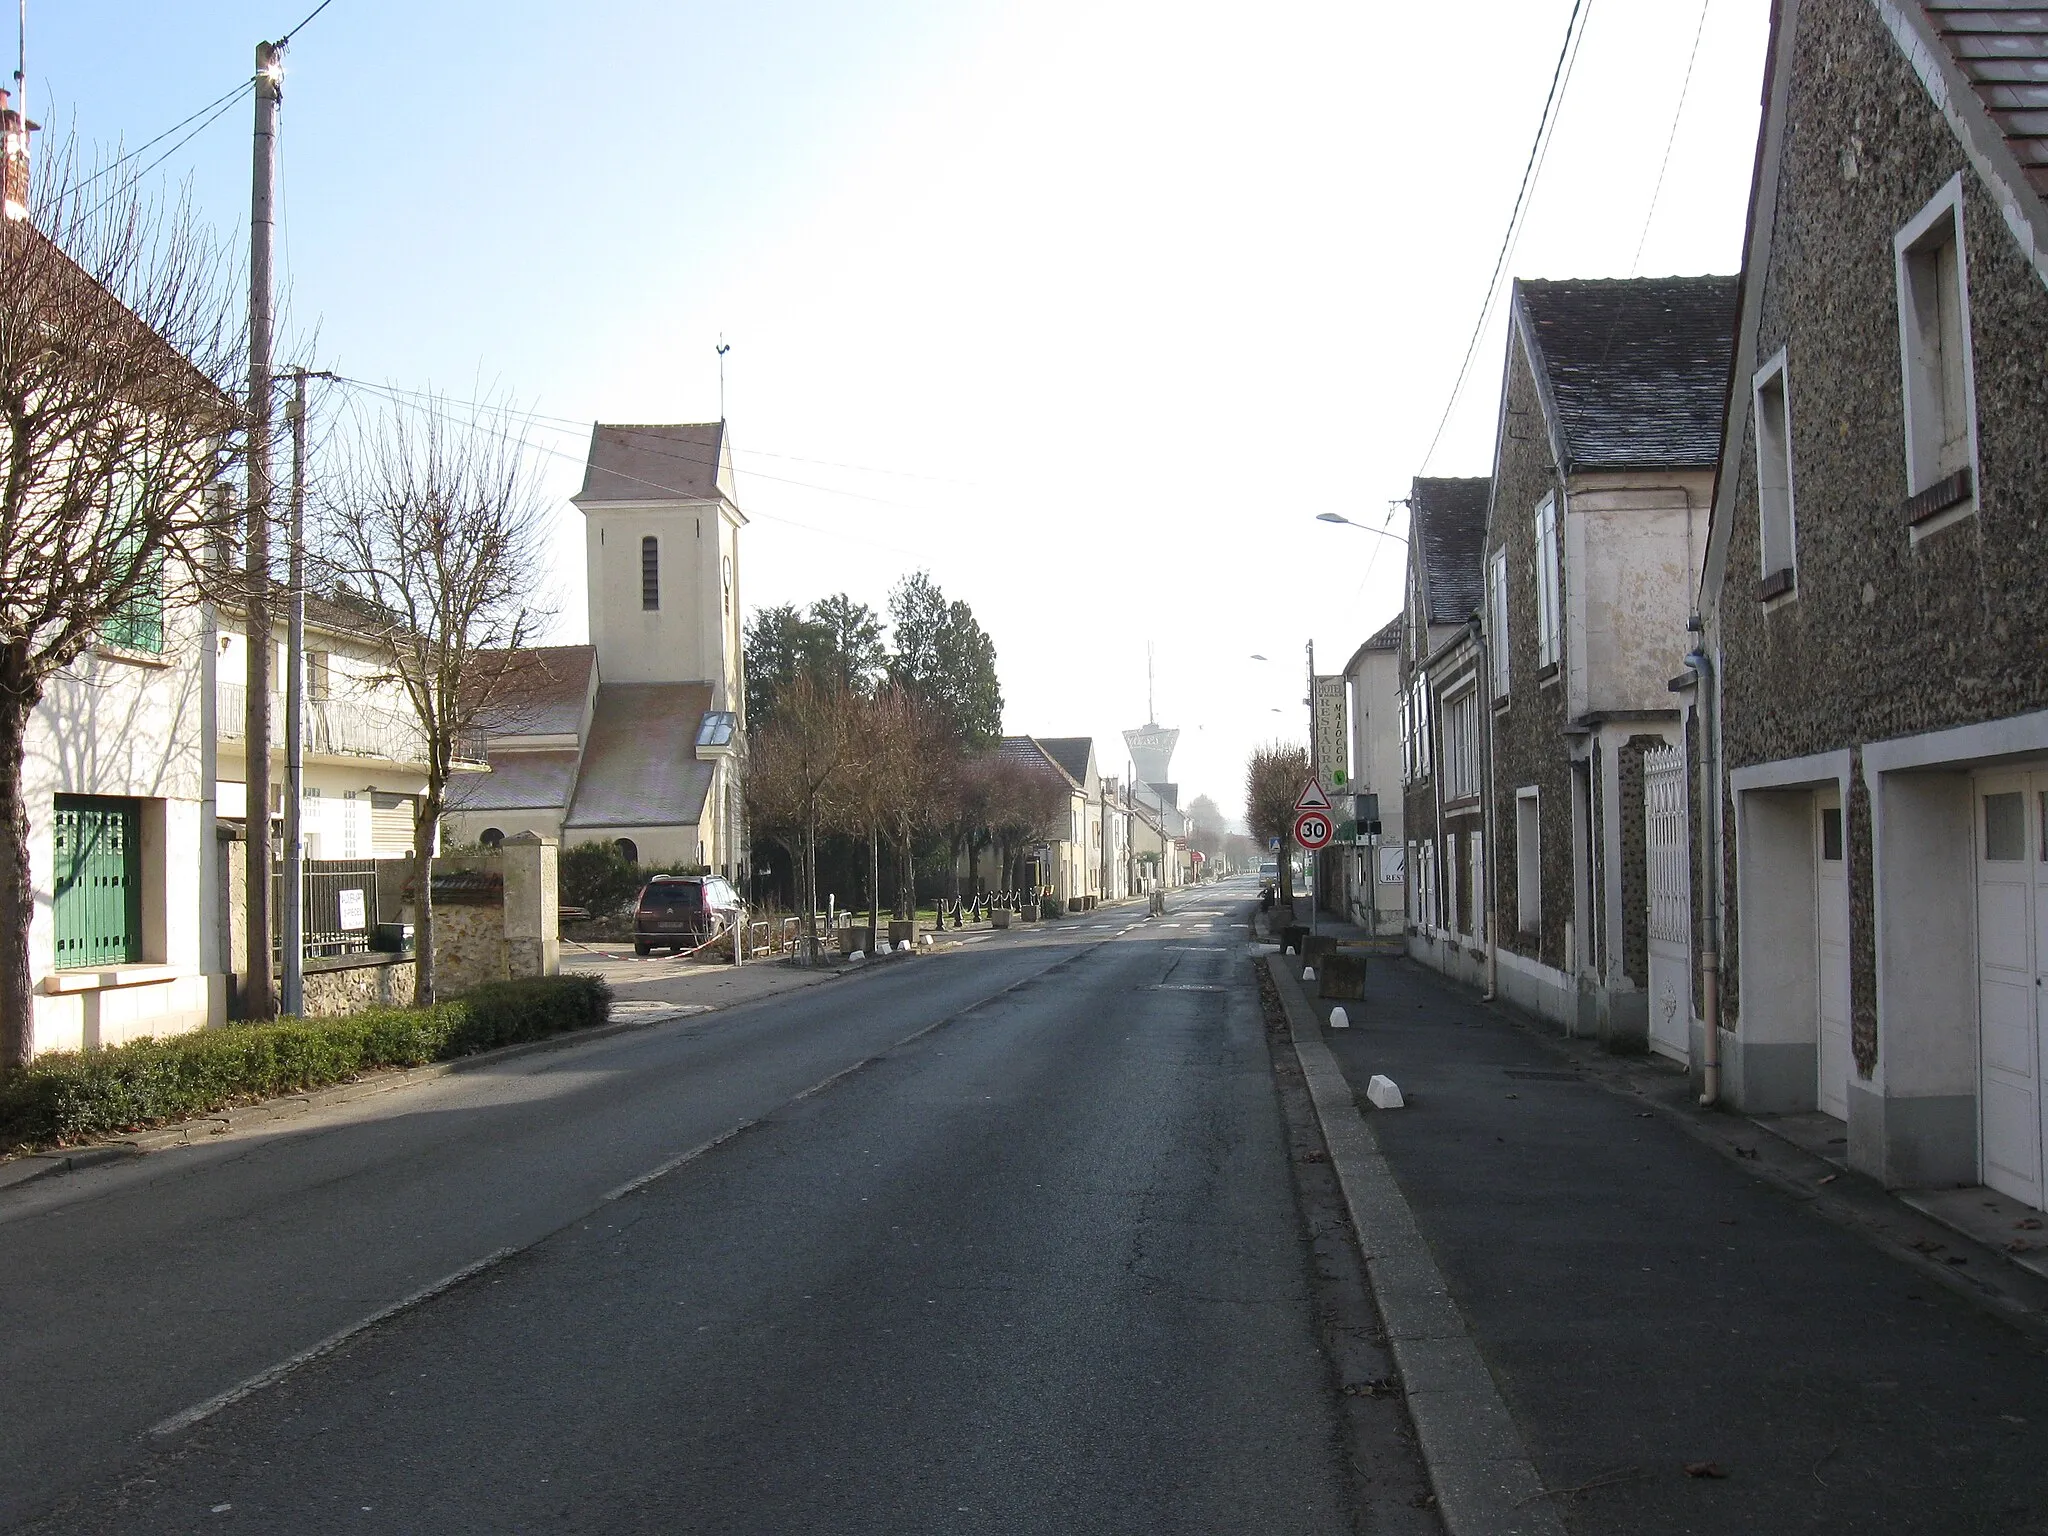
[1088,309]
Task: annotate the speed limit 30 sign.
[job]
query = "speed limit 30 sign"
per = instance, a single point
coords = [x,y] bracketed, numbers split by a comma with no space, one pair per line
[1312,829]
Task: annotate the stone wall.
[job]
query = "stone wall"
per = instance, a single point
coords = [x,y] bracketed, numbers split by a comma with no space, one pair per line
[1884,637]
[352,983]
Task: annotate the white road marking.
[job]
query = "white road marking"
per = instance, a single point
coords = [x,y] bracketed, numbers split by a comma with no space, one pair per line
[276,1373]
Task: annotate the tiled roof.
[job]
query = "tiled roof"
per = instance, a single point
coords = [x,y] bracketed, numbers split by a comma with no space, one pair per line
[1071,753]
[1447,521]
[1029,751]
[542,692]
[2001,46]
[653,463]
[640,765]
[522,781]
[1633,371]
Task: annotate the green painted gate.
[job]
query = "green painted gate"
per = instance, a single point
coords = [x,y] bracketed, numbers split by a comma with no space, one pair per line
[98,905]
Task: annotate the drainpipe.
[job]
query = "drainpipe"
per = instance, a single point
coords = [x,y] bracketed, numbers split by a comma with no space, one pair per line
[1710,875]
[1486,784]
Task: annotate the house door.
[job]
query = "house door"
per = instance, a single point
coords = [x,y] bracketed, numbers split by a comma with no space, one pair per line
[2012,948]
[1667,861]
[1831,947]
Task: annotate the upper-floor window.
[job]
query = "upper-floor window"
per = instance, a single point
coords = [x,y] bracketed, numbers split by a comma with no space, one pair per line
[1934,347]
[728,586]
[1549,584]
[1461,745]
[1775,540]
[650,573]
[1497,620]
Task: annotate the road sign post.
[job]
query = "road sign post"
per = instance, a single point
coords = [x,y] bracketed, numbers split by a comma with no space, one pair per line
[1312,808]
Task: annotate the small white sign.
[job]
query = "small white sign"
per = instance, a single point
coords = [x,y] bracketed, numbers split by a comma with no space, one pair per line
[353,918]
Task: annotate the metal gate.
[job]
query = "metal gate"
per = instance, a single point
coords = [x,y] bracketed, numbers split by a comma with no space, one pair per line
[1667,859]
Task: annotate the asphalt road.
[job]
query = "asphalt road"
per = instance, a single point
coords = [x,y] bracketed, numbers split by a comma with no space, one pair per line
[1039,1268]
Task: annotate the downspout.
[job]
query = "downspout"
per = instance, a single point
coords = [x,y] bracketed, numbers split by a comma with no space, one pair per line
[1492,847]
[1710,882]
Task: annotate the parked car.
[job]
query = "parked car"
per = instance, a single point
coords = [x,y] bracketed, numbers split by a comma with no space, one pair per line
[1269,874]
[680,912]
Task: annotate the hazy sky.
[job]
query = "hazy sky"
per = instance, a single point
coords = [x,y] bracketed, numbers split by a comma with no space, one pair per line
[1088,308]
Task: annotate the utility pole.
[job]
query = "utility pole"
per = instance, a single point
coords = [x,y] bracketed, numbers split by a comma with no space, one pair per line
[258,1001]
[293,919]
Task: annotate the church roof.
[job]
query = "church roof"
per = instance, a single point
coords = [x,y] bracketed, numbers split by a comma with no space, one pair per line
[654,463]
[518,781]
[640,765]
[541,691]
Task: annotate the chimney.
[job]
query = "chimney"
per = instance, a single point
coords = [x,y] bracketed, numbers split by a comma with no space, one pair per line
[14,132]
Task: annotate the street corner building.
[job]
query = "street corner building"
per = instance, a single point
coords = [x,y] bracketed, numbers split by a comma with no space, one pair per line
[1871,694]
[636,739]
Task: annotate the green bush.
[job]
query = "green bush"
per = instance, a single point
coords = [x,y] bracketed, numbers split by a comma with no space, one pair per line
[66,1096]
[601,880]
[1051,906]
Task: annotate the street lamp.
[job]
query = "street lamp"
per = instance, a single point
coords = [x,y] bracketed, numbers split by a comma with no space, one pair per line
[1339,517]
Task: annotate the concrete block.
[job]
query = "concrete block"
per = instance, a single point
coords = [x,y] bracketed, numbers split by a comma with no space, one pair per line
[1382,1093]
[1342,977]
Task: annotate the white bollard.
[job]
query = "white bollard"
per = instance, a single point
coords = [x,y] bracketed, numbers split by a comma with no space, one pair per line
[903,946]
[1308,973]
[1287,949]
[1382,1092]
[858,957]
[927,941]
[1339,1019]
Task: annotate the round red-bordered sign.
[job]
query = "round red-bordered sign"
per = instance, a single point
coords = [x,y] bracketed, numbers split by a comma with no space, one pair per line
[1312,830]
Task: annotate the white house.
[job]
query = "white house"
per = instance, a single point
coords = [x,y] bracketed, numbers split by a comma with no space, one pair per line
[1375,880]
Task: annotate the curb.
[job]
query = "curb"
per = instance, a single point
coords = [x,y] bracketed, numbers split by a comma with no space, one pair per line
[1478,1466]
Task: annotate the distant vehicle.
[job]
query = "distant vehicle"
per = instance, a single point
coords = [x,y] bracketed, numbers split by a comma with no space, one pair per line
[680,912]
[1269,874]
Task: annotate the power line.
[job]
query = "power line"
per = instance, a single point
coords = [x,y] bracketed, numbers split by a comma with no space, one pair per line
[224,106]
[295,31]
[556,453]
[1558,77]
[1636,262]
[144,148]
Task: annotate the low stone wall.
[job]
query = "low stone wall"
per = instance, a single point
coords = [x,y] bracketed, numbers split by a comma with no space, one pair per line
[351,983]
[469,947]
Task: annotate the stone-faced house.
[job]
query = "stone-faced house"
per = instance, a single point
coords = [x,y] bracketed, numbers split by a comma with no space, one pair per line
[1440,800]
[635,738]
[1875,715]
[1610,421]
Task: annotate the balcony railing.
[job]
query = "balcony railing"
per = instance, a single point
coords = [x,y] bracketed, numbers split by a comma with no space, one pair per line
[334,727]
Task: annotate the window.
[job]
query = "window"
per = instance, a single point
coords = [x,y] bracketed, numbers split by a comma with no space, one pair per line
[318,676]
[1497,620]
[2005,827]
[138,624]
[1528,861]
[97,889]
[493,837]
[1934,348]
[625,847]
[1549,583]
[1831,834]
[728,586]
[1774,479]
[1461,746]
[650,573]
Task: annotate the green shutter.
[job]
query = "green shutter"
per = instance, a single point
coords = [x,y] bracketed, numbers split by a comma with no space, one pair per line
[98,904]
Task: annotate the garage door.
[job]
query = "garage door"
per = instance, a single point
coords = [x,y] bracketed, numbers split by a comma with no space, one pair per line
[2012,906]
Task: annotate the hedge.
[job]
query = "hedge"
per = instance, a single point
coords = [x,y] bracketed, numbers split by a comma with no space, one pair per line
[67,1096]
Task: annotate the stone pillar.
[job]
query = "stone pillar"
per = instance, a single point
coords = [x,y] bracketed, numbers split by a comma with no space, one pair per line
[533,945]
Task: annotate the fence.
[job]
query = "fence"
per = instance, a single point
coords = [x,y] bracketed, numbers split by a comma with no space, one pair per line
[339,905]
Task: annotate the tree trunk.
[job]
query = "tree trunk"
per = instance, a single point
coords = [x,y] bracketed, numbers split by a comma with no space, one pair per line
[17,895]
[811,887]
[874,877]
[423,904]
[906,880]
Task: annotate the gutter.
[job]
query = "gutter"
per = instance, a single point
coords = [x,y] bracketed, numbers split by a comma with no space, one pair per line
[1702,667]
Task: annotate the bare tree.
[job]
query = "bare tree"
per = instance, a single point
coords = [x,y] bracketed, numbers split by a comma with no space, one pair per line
[799,767]
[1027,803]
[434,534]
[916,748]
[1274,778]
[119,332]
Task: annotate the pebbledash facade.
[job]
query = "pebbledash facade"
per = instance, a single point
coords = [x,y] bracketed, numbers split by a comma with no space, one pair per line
[1874,715]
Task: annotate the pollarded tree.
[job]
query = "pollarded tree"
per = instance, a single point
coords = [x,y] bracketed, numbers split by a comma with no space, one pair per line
[799,766]
[120,336]
[436,534]
[1274,778]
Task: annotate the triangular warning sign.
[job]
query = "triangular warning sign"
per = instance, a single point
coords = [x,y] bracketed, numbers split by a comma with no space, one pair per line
[1313,798]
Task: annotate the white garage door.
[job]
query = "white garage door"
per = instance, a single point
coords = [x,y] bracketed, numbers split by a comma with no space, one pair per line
[2012,949]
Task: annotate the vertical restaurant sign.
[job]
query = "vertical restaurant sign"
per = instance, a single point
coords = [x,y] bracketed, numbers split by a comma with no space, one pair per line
[1333,757]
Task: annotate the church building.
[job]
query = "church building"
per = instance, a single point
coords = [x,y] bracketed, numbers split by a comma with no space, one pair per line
[634,739]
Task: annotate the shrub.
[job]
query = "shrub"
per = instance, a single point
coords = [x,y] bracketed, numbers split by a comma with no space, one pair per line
[1051,906]
[602,881]
[66,1096]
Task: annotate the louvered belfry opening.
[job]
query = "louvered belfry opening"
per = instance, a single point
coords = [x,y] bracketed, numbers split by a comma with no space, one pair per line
[650,573]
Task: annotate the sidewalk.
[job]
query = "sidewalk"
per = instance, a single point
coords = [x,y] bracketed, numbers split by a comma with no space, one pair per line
[1646,1302]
